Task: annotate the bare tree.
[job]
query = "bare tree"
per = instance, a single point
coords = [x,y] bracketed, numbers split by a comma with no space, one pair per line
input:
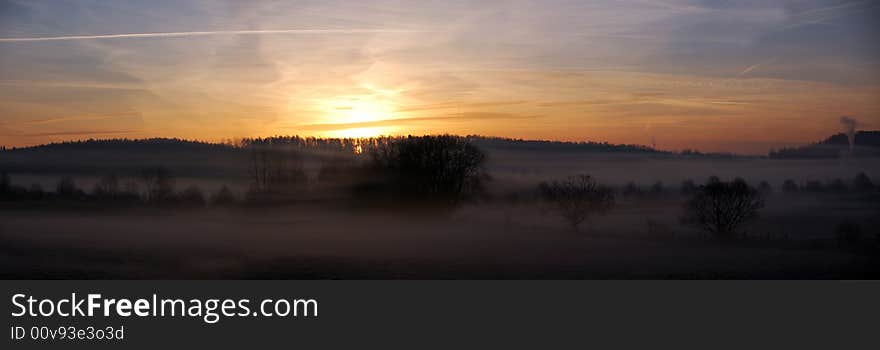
[66,188]
[159,184]
[107,187]
[275,168]
[576,198]
[721,207]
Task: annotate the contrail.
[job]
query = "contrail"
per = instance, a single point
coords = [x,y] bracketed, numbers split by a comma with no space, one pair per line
[747,70]
[203,33]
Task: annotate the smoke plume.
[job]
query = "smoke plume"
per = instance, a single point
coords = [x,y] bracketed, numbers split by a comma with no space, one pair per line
[849,127]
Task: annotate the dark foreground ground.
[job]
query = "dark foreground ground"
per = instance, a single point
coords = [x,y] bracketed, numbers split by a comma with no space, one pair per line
[488,241]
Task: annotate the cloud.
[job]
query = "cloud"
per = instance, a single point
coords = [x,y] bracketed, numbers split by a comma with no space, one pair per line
[465,116]
[86,118]
[82,133]
[203,33]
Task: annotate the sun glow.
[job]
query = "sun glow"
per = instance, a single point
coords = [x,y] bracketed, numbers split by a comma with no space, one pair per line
[358,116]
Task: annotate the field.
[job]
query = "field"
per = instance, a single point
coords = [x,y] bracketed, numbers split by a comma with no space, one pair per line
[507,234]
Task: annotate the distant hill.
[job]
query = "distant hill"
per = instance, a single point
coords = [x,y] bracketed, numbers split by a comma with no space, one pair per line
[125,156]
[196,158]
[490,143]
[867,144]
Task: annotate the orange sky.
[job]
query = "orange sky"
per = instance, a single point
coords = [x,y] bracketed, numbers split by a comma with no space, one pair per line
[742,78]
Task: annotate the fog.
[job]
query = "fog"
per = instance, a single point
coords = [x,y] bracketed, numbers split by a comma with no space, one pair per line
[505,234]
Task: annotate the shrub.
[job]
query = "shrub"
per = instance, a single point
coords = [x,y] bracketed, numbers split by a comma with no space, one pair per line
[688,187]
[836,185]
[576,198]
[632,190]
[223,197]
[657,189]
[721,207]
[765,189]
[107,187]
[5,184]
[192,196]
[790,186]
[814,186]
[862,182]
[36,192]
[848,232]
[66,188]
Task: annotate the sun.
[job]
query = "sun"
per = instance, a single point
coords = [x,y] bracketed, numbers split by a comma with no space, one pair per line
[359,116]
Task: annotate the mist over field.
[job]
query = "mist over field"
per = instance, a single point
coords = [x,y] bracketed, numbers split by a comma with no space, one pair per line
[330,211]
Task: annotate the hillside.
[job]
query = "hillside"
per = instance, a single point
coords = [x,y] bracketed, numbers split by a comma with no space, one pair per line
[221,159]
[867,144]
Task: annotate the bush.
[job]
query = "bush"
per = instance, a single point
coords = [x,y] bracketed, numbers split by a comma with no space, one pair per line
[5,184]
[36,192]
[223,197]
[721,207]
[790,186]
[632,190]
[688,187]
[66,188]
[576,198]
[192,196]
[107,187]
[814,186]
[848,232]
[862,182]
[836,185]
[765,189]
[437,169]
[657,189]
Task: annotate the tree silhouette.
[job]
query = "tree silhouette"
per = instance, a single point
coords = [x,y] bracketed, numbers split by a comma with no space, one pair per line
[159,184]
[576,198]
[657,189]
[275,168]
[765,188]
[192,196]
[862,182]
[631,189]
[36,191]
[223,197]
[107,187]
[848,233]
[5,184]
[444,169]
[721,207]
[66,188]
[836,185]
[688,187]
[789,186]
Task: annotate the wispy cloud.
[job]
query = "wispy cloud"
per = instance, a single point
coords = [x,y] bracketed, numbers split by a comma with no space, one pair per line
[83,132]
[467,116]
[205,33]
[84,118]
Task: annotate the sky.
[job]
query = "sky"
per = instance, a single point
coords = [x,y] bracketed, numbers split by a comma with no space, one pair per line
[714,75]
